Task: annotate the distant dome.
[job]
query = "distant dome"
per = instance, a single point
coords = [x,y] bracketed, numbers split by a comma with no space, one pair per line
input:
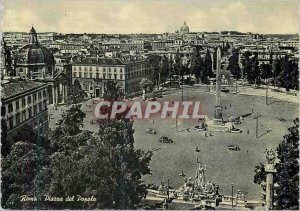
[34,53]
[184,28]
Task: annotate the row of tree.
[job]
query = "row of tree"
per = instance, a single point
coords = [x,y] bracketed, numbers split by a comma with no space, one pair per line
[169,68]
[281,72]
[70,161]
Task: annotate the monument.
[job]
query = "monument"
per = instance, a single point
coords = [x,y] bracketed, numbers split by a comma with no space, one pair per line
[270,170]
[218,119]
[200,176]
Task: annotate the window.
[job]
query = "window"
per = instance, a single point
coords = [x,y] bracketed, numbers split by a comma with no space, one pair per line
[44,94]
[79,68]
[91,69]
[17,105]
[97,69]
[121,77]
[109,70]
[104,70]
[97,75]
[29,99]
[23,102]
[10,108]
[79,75]
[74,74]
[40,95]
[18,118]
[91,87]
[34,109]
[34,98]
[40,106]
[85,75]
[11,122]
[85,68]
[23,115]
[109,76]
[30,112]
[91,75]
[121,70]
[115,70]
[115,76]
[74,68]
[104,75]
[45,104]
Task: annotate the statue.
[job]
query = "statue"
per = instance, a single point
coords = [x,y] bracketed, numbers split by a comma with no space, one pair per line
[200,176]
[209,187]
[270,156]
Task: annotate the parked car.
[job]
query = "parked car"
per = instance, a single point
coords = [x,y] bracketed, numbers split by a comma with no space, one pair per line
[233,148]
[151,131]
[235,130]
[224,89]
[165,139]
[200,127]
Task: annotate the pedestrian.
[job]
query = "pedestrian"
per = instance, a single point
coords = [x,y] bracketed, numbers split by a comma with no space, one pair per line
[248,132]
[247,151]
[225,107]
[230,104]
[152,121]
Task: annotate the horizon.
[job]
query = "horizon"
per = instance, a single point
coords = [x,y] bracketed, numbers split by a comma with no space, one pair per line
[144,17]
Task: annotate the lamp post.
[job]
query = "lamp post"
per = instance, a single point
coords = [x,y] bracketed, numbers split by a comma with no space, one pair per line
[232,195]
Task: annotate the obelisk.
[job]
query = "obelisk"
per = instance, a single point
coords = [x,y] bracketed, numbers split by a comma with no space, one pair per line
[218,107]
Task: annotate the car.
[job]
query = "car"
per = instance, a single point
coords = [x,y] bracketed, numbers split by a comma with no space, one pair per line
[200,128]
[235,130]
[224,89]
[234,147]
[151,99]
[165,139]
[150,131]
[282,119]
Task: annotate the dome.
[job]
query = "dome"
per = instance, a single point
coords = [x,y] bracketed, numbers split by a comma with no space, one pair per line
[34,53]
[185,28]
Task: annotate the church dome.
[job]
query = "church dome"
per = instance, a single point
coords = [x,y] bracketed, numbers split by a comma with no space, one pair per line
[34,53]
[185,28]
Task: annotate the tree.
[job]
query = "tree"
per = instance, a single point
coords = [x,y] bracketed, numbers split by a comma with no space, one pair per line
[276,69]
[106,164]
[178,64]
[287,171]
[196,64]
[164,68]
[127,165]
[112,91]
[265,71]
[234,64]
[154,61]
[146,86]
[207,70]
[20,169]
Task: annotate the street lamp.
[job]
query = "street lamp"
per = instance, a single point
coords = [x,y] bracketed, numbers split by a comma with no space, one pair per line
[232,195]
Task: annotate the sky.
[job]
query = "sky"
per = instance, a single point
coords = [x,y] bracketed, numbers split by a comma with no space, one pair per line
[150,16]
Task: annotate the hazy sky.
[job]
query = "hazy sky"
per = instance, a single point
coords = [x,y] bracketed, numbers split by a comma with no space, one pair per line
[150,16]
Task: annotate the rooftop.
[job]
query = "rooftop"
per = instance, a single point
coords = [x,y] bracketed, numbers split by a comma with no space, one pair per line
[18,86]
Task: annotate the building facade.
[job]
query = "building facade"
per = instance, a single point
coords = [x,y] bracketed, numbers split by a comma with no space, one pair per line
[94,73]
[24,102]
